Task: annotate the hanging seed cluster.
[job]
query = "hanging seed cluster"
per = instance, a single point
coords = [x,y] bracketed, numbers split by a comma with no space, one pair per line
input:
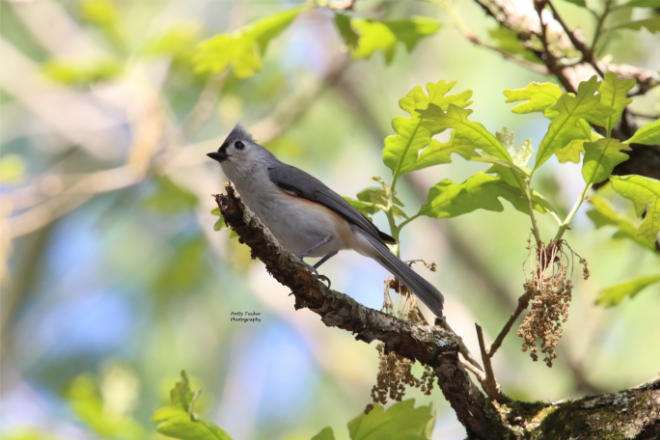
[550,290]
[394,373]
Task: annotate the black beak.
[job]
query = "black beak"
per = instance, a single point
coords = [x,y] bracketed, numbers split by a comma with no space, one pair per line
[218,155]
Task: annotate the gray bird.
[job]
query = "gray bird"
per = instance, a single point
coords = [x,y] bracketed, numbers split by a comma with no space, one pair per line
[305,216]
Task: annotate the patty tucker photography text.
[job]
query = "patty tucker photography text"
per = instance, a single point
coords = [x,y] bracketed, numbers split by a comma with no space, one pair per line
[245,317]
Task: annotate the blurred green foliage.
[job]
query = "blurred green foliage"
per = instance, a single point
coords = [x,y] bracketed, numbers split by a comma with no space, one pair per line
[115,267]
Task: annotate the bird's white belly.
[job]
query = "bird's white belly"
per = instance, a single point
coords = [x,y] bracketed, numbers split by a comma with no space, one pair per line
[299,224]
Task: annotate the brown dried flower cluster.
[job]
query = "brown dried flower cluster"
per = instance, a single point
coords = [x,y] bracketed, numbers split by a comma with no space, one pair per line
[394,372]
[550,291]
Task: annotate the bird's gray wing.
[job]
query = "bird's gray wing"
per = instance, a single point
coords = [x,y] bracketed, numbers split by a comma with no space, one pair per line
[309,187]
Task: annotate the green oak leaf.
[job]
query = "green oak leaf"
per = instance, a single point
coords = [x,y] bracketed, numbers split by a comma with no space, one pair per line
[401,152]
[613,295]
[350,37]
[220,223]
[651,24]
[366,208]
[614,93]
[374,35]
[435,119]
[601,157]
[480,191]
[440,153]
[604,214]
[325,434]
[401,421]
[645,194]
[523,153]
[178,419]
[571,152]
[410,31]
[538,97]
[507,40]
[570,110]
[647,135]
[242,50]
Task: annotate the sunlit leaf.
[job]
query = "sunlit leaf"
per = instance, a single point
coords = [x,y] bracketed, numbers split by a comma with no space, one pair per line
[242,50]
[374,35]
[570,110]
[613,295]
[647,135]
[401,421]
[177,41]
[82,71]
[410,31]
[651,24]
[366,208]
[100,12]
[440,153]
[179,420]
[507,40]
[437,120]
[614,93]
[645,194]
[401,152]
[538,97]
[480,191]
[604,214]
[601,157]
[523,153]
[325,434]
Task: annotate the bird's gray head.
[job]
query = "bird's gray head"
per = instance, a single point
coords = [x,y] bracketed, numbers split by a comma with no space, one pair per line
[240,151]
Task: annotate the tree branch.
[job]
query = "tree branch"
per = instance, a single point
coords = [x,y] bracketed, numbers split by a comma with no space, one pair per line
[631,414]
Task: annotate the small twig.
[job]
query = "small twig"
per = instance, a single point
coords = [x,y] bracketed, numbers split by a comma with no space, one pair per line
[463,348]
[523,302]
[587,52]
[490,385]
[642,115]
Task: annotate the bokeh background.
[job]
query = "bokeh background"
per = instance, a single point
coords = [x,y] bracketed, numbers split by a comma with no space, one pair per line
[114,278]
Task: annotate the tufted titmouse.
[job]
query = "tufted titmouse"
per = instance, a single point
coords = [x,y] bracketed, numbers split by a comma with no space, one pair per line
[305,216]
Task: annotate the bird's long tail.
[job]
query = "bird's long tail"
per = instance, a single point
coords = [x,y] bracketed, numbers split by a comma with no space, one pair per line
[428,294]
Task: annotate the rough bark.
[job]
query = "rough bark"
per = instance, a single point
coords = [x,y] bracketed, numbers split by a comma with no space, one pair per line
[630,414]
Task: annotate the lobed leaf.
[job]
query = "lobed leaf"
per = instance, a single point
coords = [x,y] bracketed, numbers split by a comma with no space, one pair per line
[401,421]
[645,194]
[365,36]
[179,421]
[480,191]
[614,93]
[647,135]
[538,97]
[570,110]
[437,120]
[242,50]
[440,153]
[604,214]
[401,152]
[601,157]
[613,295]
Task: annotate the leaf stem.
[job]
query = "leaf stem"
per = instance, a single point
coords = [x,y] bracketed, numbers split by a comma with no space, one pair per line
[535,227]
[564,225]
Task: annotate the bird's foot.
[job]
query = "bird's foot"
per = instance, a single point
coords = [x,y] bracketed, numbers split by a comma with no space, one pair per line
[316,274]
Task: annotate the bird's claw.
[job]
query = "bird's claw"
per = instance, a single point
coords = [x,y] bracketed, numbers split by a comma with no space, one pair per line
[316,274]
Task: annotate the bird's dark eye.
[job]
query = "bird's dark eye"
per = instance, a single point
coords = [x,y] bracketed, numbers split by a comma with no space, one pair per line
[239,145]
